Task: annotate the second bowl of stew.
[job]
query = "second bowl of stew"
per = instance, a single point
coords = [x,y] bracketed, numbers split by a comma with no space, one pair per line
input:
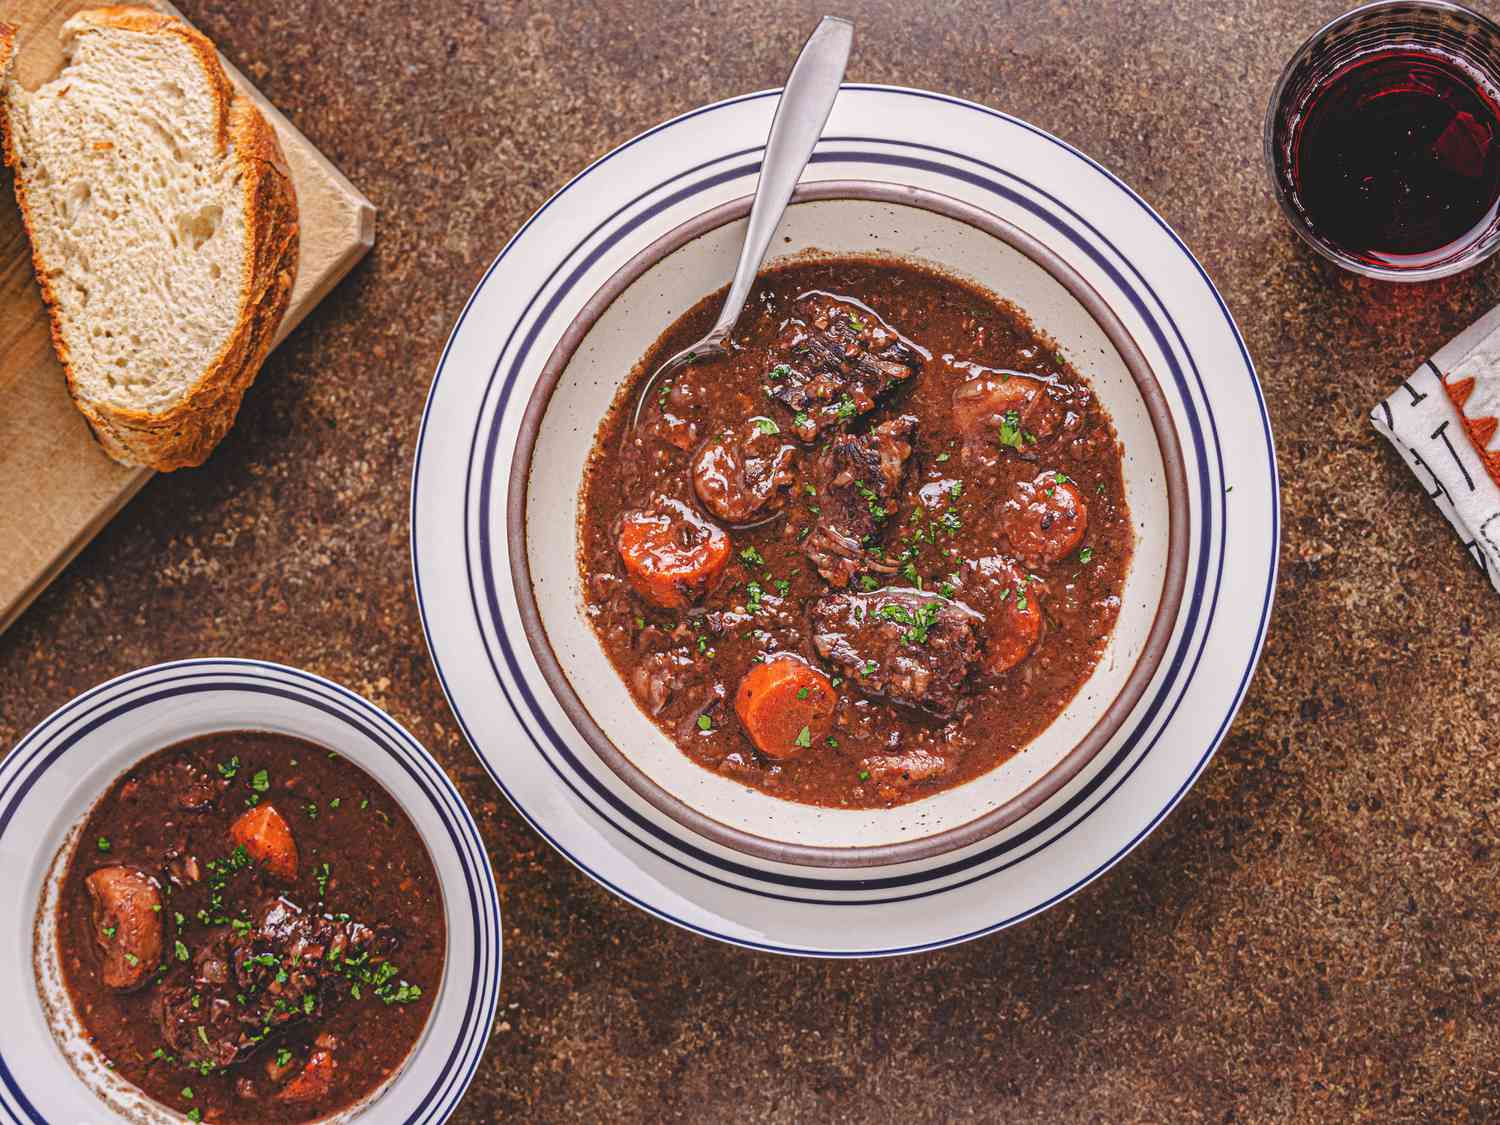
[241,894]
[880,581]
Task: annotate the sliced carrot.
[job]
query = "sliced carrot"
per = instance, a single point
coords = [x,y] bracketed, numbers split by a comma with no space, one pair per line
[1014,630]
[267,839]
[786,706]
[313,1082]
[671,557]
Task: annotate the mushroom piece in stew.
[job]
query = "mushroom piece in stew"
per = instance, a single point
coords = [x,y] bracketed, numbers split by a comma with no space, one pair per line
[251,929]
[871,553]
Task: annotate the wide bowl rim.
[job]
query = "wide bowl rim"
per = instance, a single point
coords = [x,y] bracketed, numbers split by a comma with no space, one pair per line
[372,726]
[1042,788]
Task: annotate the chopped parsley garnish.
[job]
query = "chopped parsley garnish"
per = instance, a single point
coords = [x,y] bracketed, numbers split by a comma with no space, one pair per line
[801,420]
[404,994]
[868,583]
[228,769]
[802,692]
[864,775]
[283,1056]
[323,872]
[804,738]
[260,781]
[833,742]
[1010,429]
[846,408]
[104,843]
[755,593]
[109,931]
[780,371]
[705,723]
[941,457]
[1086,554]
[871,498]
[187,1091]
[181,950]
[132,960]
[752,557]
[766,425]
[308,1003]
[919,624]
[897,613]
[869,668]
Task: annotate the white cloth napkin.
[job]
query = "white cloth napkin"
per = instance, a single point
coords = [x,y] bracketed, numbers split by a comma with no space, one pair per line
[1427,429]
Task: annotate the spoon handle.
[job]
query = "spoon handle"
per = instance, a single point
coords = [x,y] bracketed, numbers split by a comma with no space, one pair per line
[800,116]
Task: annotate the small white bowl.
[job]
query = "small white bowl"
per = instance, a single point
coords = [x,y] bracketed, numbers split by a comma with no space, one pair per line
[53,777]
[619,325]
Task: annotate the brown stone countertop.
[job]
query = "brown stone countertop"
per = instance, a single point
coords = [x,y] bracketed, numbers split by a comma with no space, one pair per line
[1314,935]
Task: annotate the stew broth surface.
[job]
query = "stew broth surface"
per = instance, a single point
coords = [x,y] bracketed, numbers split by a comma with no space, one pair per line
[894,498]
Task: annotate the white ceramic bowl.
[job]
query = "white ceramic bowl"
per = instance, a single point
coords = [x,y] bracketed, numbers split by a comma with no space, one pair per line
[618,327]
[53,777]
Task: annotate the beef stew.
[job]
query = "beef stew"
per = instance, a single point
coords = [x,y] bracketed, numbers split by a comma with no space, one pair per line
[251,930]
[871,553]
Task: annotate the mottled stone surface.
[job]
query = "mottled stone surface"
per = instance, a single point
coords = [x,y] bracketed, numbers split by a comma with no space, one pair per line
[1312,936]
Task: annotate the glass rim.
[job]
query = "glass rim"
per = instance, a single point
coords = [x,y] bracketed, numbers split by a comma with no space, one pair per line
[1469,258]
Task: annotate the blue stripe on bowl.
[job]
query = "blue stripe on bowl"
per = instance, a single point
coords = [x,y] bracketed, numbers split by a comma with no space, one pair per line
[43,746]
[1195,601]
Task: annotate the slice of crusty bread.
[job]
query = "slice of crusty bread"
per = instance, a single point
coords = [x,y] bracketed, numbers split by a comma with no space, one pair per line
[163,228]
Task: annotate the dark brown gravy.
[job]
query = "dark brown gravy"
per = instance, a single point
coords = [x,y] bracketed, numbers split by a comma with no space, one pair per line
[953,610]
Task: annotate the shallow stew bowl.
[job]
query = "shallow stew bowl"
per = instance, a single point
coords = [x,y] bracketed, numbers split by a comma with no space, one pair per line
[618,326]
[50,781]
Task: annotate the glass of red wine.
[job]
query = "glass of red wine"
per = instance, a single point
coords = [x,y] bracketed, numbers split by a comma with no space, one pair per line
[1383,140]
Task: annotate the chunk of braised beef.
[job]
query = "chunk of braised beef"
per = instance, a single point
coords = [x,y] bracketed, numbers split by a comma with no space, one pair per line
[857,479]
[247,983]
[908,646]
[838,359]
[127,924]
[744,474]
[893,774]
[661,675]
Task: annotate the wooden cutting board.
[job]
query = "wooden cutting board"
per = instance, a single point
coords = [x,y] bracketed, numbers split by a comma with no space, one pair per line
[57,488]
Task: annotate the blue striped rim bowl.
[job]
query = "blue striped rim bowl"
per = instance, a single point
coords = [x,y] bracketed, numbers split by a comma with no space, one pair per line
[580,381]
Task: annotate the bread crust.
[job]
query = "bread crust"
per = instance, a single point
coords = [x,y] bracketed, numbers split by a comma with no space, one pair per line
[183,435]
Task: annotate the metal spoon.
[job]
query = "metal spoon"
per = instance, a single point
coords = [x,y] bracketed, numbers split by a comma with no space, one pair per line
[800,116]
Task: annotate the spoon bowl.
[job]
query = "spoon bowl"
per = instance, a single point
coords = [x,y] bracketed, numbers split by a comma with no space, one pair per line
[801,113]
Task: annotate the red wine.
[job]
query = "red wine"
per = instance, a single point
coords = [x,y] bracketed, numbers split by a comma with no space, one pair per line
[1397,159]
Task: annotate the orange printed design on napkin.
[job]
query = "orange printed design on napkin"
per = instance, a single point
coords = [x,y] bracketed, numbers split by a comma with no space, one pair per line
[1480,430]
